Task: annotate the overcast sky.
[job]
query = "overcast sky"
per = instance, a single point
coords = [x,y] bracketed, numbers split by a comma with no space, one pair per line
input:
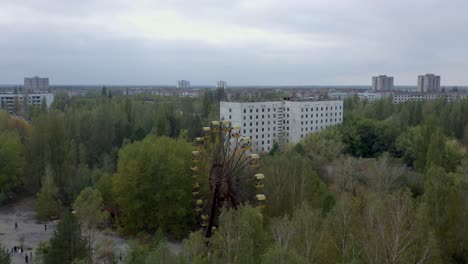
[258,42]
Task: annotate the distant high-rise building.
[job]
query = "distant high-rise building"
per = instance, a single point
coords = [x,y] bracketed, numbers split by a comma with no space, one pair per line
[428,83]
[36,84]
[382,83]
[183,84]
[221,84]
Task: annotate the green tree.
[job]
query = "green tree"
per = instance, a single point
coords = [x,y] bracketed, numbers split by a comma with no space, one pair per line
[445,212]
[67,244]
[240,236]
[152,186]
[11,164]
[4,255]
[88,208]
[48,203]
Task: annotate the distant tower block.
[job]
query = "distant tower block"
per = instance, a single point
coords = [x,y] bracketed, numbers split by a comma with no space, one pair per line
[382,83]
[36,84]
[221,84]
[183,84]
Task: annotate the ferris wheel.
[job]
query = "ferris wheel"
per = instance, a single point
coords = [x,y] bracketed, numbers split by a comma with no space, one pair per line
[224,172]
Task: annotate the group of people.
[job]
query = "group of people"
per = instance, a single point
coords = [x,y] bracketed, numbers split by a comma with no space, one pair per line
[20,251]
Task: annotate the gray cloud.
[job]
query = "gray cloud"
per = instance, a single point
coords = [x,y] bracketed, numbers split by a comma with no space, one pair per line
[244,42]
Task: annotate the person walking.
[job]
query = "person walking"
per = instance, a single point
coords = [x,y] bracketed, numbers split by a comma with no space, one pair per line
[45,227]
[16,226]
[26,258]
[30,256]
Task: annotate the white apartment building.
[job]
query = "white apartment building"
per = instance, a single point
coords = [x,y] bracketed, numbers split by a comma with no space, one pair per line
[428,83]
[372,96]
[382,83]
[7,100]
[183,84]
[221,84]
[417,96]
[281,121]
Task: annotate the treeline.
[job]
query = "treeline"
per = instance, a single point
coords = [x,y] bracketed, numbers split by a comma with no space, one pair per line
[81,136]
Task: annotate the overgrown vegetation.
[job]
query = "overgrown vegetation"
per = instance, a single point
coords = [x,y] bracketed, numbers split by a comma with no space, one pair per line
[389,185]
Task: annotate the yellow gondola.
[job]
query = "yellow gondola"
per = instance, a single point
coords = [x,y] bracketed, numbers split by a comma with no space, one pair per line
[246,143]
[198,205]
[259,177]
[261,201]
[236,132]
[194,169]
[254,160]
[206,132]
[204,219]
[214,126]
[226,126]
[195,156]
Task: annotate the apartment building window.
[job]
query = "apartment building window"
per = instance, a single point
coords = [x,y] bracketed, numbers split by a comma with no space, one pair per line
[302,129]
[256,117]
[245,111]
[245,117]
[301,136]
[256,130]
[316,115]
[256,136]
[274,134]
[268,109]
[256,110]
[244,131]
[263,110]
[268,142]
[230,110]
[230,117]
[321,108]
[250,130]
[274,115]
[302,122]
[256,123]
[307,116]
[263,116]
[245,124]
[302,109]
[263,136]
[268,121]
[250,110]
[263,129]
[250,117]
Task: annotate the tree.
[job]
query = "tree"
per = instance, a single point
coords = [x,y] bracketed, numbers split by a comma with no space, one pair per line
[445,197]
[88,208]
[152,186]
[4,255]
[11,164]
[48,203]
[239,238]
[67,244]
[391,231]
